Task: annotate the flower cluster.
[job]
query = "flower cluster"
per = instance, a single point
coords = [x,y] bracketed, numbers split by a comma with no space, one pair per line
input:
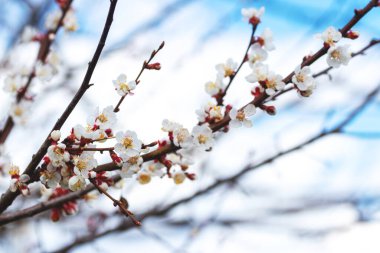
[70,164]
[18,182]
[303,80]
[336,55]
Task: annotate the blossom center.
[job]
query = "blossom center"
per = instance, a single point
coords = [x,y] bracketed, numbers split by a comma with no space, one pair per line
[202,139]
[240,116]
[124,87]
[181,136]
[133,160]
[128,142]
[335,54]
[59,151]
[270,84]
[300,78]
[228,71]
[81,165]
[18,111]
[144,178]
[102,118]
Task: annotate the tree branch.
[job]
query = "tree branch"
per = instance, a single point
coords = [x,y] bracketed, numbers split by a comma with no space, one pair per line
[160,212]
[29,212]
[8,197]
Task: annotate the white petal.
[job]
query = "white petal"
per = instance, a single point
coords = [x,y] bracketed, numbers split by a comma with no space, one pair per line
[249,110]
[235,123]
[247,123]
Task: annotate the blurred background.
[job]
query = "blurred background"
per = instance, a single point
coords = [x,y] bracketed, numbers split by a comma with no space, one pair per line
[324,197]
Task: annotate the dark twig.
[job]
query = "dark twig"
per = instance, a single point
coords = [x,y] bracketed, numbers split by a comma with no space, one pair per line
[118,203]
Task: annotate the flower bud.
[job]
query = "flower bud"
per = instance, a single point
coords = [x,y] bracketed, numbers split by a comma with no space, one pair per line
[156,66]
[352,34]
[55,135]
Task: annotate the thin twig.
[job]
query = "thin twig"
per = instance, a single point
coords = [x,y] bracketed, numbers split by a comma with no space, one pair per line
[137,80]
[220,99]
[118,203]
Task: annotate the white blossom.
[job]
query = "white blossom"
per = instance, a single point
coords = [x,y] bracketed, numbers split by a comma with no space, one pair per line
[182,137]
[209,111]
[50,177]
[45,72]
[203,136]
[302,78]
[13,83]
[266,39]
[70,22]
[18,182]
[256,54]
[54,60]
[226,69]
[216,112]
[77,183]
[187,155]
[338,55]
[89,132]
[273,83]
[122,86]
[252,15]
[104,120]
[154,168]
[131,164]
[330,36]
[84,163]
[55,135]
[239,117]
[215,87]
[259,73]
[170,126]
[179,177]
[179,159]
[58,155]
[144,177]
[307,93]
[128,143]
[19,111]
